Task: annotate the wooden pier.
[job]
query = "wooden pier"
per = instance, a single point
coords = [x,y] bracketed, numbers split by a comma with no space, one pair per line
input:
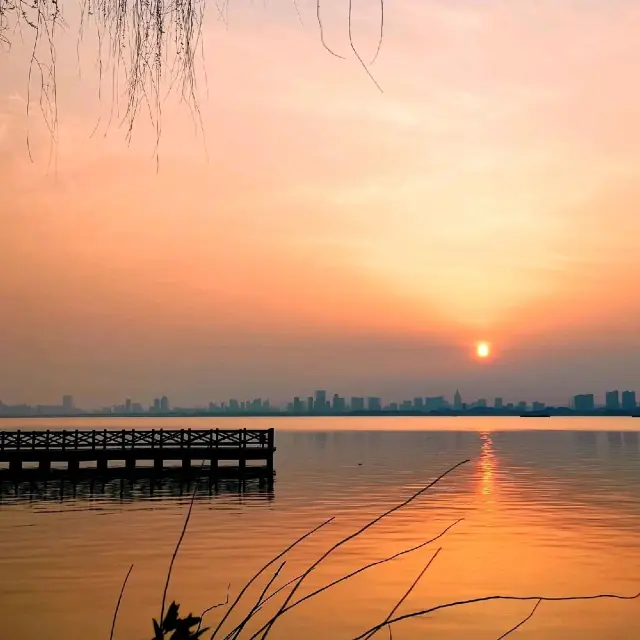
[132,446]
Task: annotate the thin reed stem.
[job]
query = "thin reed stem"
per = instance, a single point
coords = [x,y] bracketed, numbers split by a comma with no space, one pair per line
[115,613]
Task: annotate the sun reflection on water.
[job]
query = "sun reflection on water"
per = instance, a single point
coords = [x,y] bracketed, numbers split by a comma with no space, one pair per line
[488,463]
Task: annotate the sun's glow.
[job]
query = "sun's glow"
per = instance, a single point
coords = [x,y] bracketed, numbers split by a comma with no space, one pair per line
[483,350]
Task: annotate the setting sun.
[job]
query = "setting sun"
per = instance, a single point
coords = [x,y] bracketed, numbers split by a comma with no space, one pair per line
[483,350]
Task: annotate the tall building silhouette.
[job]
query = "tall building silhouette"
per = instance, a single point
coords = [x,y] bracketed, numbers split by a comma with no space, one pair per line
[584,402]
[612,400]
[457,401]
[629,400]
[320,403]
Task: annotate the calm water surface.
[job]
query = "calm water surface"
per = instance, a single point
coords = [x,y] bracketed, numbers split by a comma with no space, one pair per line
[546,512]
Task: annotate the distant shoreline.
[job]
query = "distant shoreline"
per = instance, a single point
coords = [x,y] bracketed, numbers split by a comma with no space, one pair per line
[557,412]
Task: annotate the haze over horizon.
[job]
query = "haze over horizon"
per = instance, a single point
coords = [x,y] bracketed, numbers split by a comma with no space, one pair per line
[325,235]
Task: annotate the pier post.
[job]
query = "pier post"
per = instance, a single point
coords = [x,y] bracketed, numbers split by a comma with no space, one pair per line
[242,462]
[73,465]
[270,463]
[44,465]
[103,464]
[130,464]
[15,466]
[158,465]
[271,447]
[186,464]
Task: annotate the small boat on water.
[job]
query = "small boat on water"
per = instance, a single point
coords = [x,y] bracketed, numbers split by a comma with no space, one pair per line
[535,415]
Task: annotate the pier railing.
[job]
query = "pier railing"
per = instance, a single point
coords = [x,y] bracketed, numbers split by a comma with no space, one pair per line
[132,439]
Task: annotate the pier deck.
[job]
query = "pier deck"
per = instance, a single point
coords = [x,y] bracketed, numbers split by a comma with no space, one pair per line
[132,446]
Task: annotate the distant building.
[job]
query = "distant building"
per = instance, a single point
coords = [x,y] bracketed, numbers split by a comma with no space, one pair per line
[498,403]
[436,403]
[522,405]
[612,400]
[457,401]
[374,404]
[357,403]
[629,400]
[481,403]
[164,405]
[320,403]
[136,407]
[310,407]
[418,404]
[298,405]
[338,404]
[538,406]
[155,407]
[584,402]
[406,405]
[127,405]
[68,405]
[393,406]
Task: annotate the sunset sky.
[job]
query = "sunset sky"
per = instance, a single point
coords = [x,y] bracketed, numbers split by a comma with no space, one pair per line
[322,234]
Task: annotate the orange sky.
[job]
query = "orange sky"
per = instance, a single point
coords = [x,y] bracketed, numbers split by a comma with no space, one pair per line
[323,234]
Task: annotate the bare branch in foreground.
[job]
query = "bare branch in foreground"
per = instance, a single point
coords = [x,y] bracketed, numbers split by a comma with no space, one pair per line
[265,629]
[368,566]
[348,575]
[521,623]
[261,599]
[408,591]
[255,576]
[458,603]
[214,606]
[115,613]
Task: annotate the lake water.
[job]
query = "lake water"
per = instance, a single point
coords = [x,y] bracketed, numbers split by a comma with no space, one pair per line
[551,507]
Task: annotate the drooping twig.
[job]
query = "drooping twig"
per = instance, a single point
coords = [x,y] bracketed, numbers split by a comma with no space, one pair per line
[521,623]
[358,56]
[321,27]
[459,603]
[266,628]
[264,568]
[381,35]
[407,592]
[115,613]
[295,4]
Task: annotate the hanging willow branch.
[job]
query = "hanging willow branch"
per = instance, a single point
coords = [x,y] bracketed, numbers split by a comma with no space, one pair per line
[153,43]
